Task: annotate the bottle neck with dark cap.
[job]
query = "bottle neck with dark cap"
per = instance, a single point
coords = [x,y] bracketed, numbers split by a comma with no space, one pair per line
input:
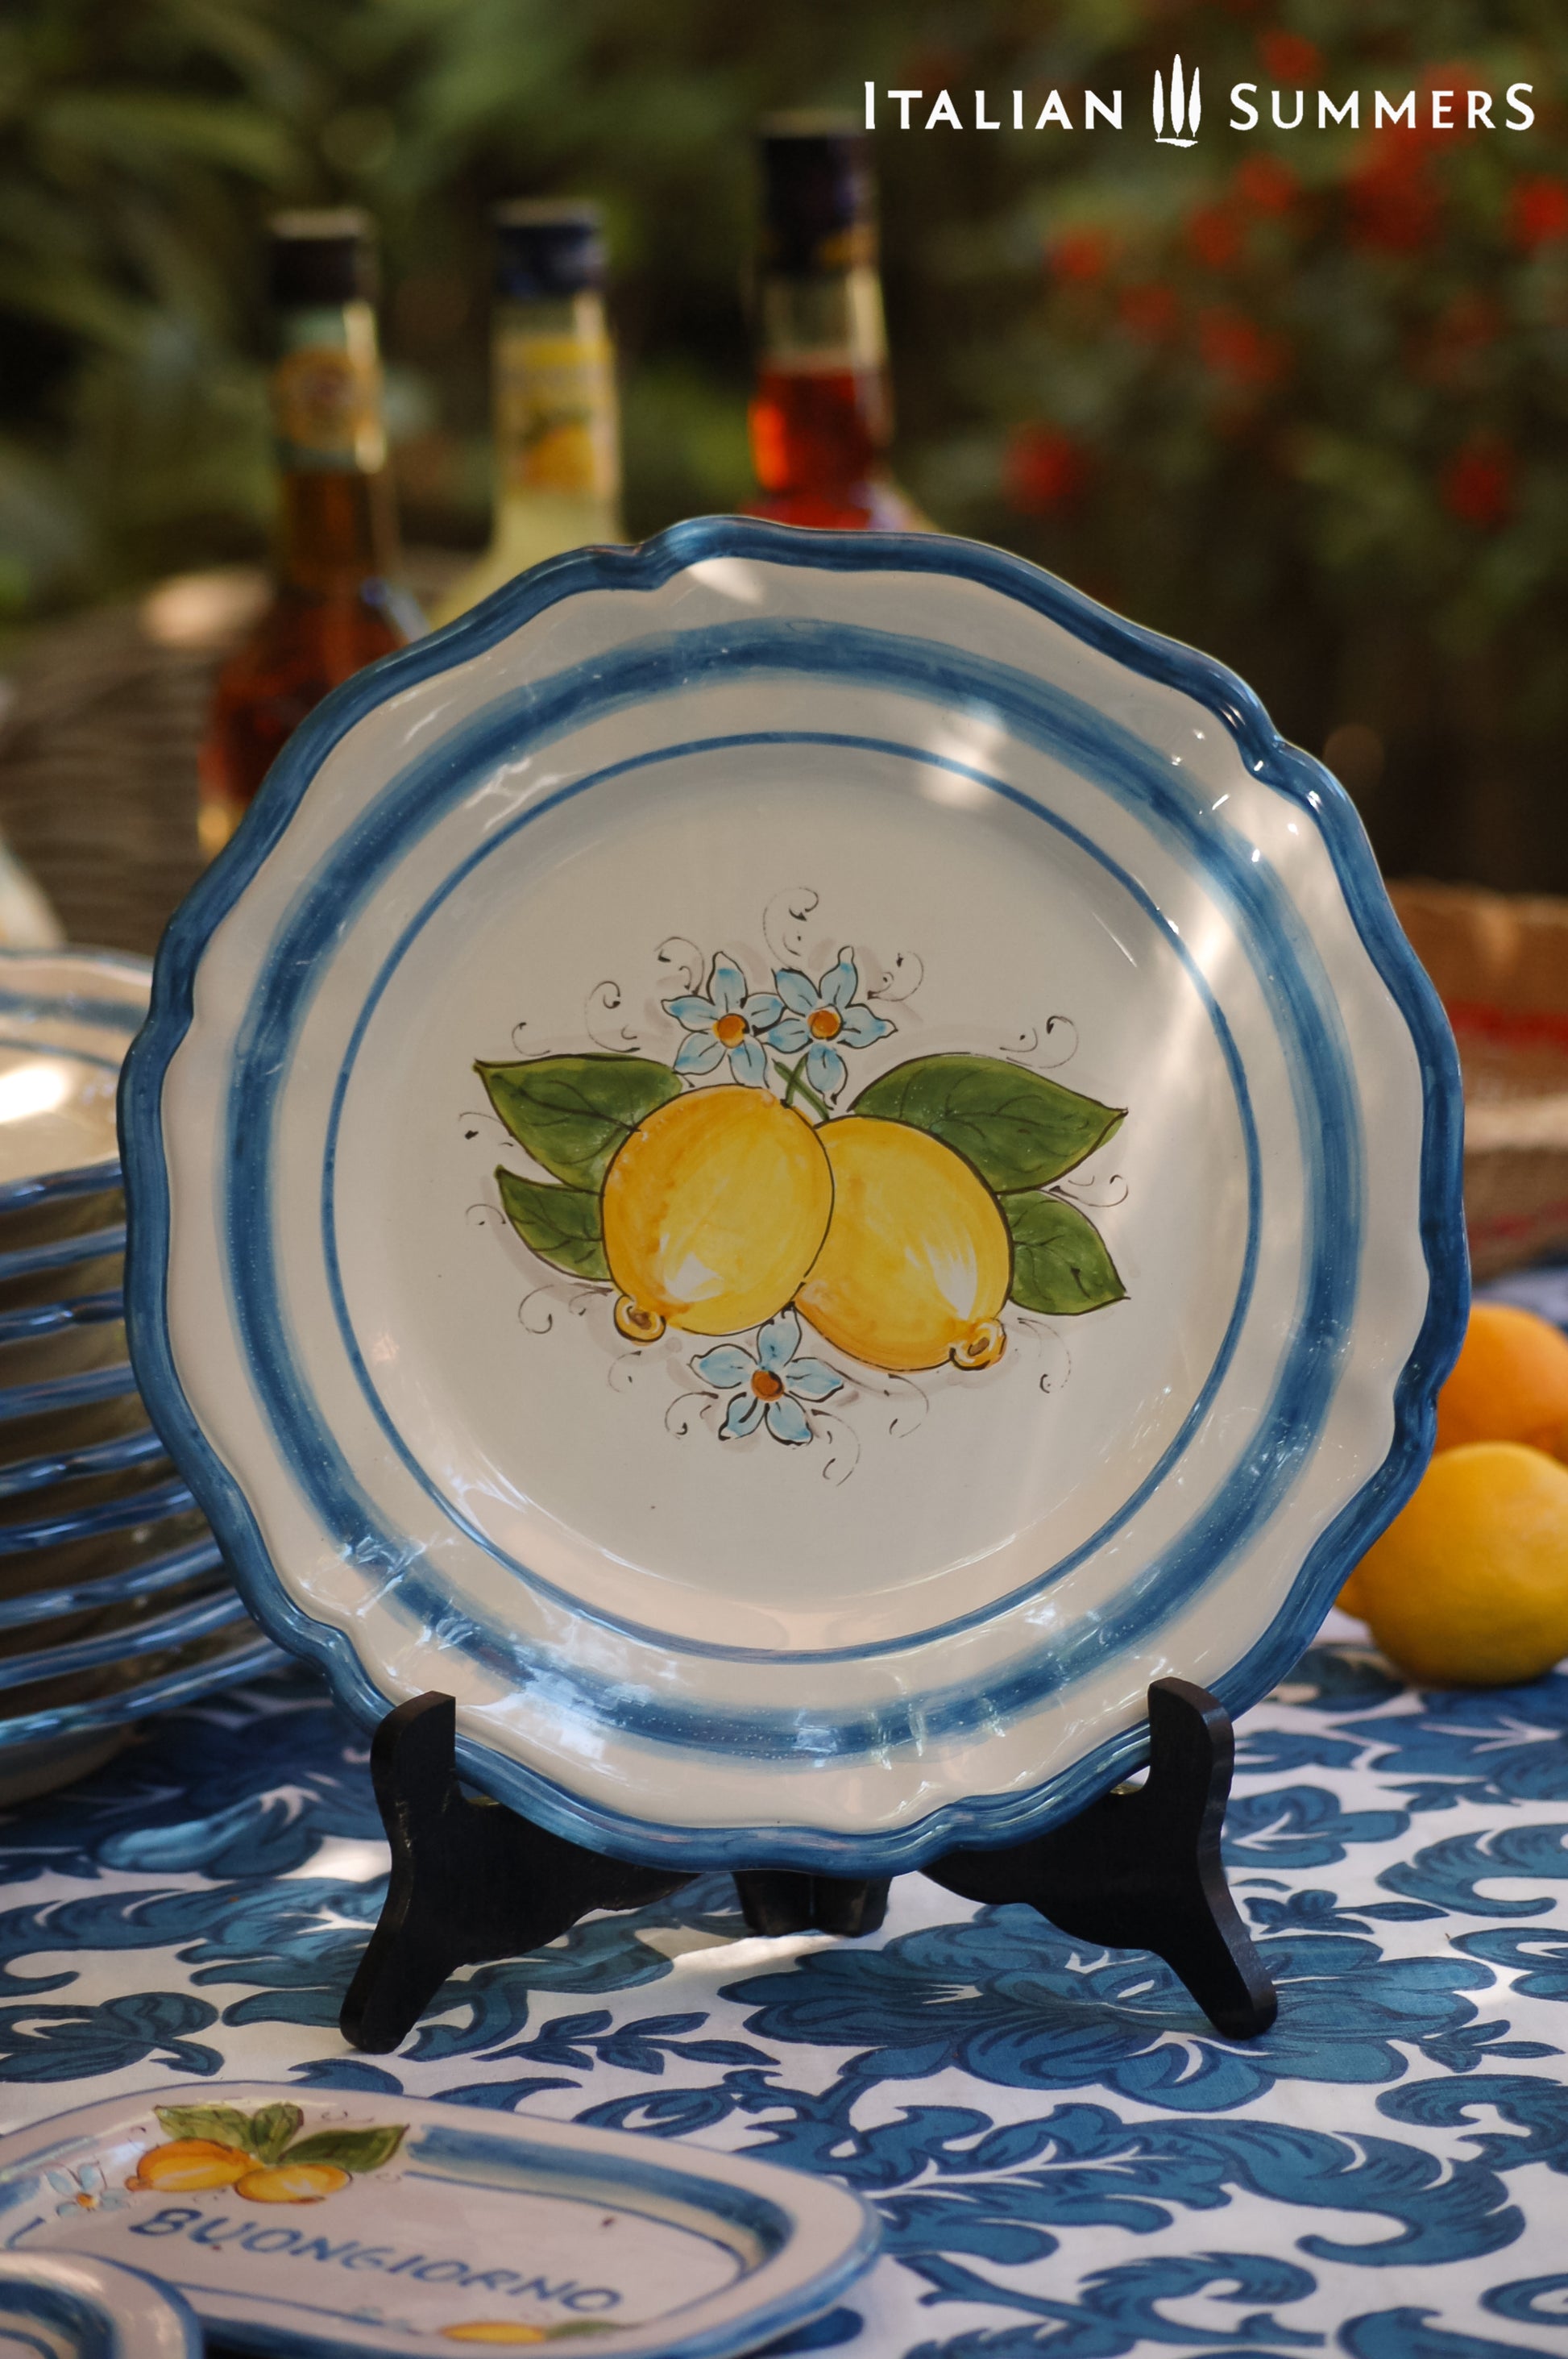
[556,430]
[822,418]
[556,436]
[336,526]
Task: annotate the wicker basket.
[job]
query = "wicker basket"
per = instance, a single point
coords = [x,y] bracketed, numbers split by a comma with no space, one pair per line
[1500,964]
[100,717]
[98,746]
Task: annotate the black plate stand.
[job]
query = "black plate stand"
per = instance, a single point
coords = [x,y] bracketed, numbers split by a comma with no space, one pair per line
[1140,1869]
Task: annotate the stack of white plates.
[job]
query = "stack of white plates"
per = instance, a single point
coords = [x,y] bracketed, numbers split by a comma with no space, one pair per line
[114,1601]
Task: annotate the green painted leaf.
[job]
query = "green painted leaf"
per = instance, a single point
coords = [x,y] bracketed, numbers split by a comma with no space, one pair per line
[272,2128]
[1018,1130]
[572,1113]
[562,1225]
[349,2149]
[225,2124]
[1060,1265]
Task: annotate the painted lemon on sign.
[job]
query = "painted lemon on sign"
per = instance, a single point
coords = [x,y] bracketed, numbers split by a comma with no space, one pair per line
[261,2156]
[713,1212]
[184,2166]
[917,1260]
[292,2183]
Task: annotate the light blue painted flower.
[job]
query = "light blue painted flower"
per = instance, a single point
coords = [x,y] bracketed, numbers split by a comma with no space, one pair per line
[725,1021]
[84,2188]
[770,1387]
[823,1017]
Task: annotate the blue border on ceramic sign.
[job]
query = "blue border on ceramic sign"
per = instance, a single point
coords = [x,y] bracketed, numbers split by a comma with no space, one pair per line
[981,1818]
[343,1502]
[1124,767]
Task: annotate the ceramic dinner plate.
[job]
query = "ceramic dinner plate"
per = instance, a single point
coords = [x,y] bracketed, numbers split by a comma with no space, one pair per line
[792,1164]
[65,1019]
[292,2223]
[80,2307]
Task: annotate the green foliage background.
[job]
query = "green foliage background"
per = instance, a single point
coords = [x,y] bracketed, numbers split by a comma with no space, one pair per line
[1300,398]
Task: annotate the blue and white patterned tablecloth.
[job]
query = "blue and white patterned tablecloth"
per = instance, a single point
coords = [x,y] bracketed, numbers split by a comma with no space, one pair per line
[1066,2159]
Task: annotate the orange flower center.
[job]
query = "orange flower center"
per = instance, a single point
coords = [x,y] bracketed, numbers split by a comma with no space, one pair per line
[731,1029]
[765,1385]
[824,1023]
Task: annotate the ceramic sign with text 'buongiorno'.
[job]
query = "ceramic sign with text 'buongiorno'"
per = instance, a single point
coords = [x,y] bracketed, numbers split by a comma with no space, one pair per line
[392,2225]
[791,1164]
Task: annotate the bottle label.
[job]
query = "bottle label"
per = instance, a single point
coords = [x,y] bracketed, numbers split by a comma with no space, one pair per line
[326,392]
[555,413]
[827,320]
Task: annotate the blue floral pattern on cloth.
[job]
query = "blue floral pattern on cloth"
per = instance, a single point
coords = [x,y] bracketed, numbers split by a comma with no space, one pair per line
[1068,2161]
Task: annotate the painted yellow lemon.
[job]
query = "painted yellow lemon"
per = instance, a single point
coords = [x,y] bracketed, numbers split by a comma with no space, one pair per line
[186,2165]
[917,1260]
[495,2330]
[292,2183]
[713,1211]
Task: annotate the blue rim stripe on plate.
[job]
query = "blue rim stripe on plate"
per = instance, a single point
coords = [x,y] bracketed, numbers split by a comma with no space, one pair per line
[196,1619]
[76,1391]
[114,2312]
[82,1179]
[56,1317]
[167,1694]
[24,1261]
[125,1449]
[112,1588]
[149,1506]
[994,1818]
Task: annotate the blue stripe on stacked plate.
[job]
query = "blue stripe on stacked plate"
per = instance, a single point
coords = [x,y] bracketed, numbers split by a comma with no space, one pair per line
[114,1602]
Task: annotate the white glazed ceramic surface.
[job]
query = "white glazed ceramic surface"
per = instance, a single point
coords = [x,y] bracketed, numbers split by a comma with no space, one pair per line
[65,1019]
[724,807]
[296,2225]
[52,2307]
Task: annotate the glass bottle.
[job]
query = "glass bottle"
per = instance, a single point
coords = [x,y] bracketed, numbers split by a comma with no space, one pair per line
[821,419]
[332,609]
[555,418]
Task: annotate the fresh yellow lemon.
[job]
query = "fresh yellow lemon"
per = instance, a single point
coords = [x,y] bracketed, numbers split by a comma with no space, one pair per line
[186,2165]
[292,2183]
[917,1260]
[713,1211]
[1468,1587]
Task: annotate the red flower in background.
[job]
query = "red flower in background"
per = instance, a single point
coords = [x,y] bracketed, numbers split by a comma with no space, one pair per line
[1236,349]
[1537,210]
[1289,57]
[1044,470]
[1392,203]
[1150,310]
[1214,236]
[1476,485]
[1266,185]
[1082,253]
[1468,324]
